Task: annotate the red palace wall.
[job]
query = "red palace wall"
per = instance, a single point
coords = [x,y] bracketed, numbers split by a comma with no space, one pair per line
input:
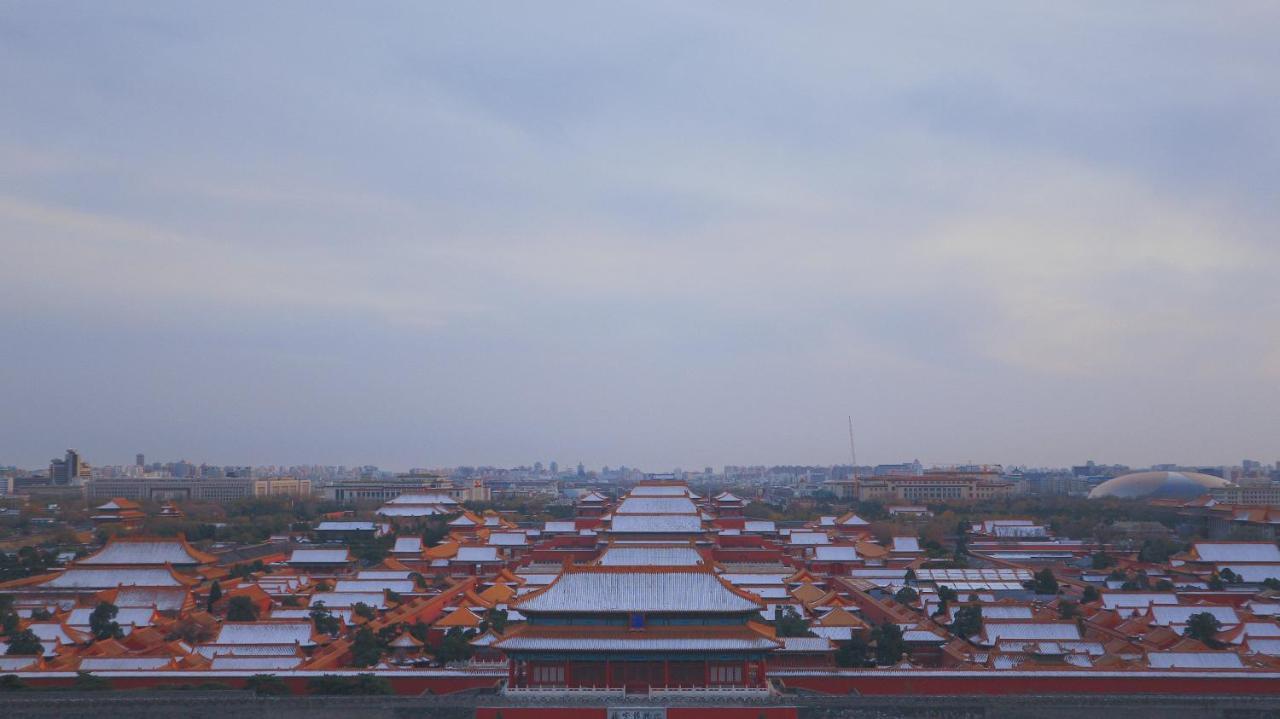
[672,712]
[939,684]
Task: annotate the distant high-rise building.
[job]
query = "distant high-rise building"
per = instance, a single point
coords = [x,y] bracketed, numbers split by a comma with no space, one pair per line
[140,460]
[582,471]
[70,470]
[555,466]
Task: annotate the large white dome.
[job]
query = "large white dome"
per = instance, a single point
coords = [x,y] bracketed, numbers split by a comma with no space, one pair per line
[1158,485]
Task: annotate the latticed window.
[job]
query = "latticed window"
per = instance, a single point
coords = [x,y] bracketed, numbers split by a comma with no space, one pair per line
[726,674]
[548,675]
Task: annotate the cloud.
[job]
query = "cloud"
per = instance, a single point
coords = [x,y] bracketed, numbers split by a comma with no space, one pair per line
[648,233]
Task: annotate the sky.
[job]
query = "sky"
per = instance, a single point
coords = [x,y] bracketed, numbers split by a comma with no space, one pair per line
[655,234]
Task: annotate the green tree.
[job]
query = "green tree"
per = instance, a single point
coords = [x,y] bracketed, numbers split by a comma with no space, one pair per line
[1204,627]
[241,609]
[11,683]
[324,621]
[1044,582]
[1068,609]
[267,685]
[215,593]
[854,653]
[946,595]
[366,650]
[364,610]
[456,646]
[1091,594]
[967,622]
[86,682]
[102,622]
[787,623]
[889,644]
[906,595]
[497,620]
[361,684]
[25,643]
[1102,560]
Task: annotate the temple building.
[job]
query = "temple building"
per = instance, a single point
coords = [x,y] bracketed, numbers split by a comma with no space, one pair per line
[636,627]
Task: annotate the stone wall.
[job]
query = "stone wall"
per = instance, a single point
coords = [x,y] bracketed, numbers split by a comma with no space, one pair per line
[244,705]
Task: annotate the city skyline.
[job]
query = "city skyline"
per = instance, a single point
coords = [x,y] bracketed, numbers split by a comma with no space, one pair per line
[653,235]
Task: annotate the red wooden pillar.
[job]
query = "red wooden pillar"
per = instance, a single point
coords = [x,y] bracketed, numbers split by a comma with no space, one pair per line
[745,668]
[511,672]
[608,673]
[568,673]
[706,673]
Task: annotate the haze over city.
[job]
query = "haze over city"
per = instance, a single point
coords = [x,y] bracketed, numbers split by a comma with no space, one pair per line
[645,234]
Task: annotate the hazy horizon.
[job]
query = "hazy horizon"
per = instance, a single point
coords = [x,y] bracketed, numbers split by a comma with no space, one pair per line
[653,234]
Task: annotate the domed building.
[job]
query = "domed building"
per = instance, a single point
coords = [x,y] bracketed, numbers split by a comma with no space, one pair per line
[1158,485]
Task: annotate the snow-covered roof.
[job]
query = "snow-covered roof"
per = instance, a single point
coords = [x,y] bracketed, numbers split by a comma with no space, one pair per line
[107,664]
[656,524]
[1253,573]
[973,575]
[1268,647]
[808,538]
[659,491]
[1165,615]
[412,499]
[383,574]
[320,556]
[835,634]
[133,552]
[164,599]
[906,544]
[346,527]
[349,599]
[407,545]
[635,643]
[655,556]
[1194,660]
[997,631]
[252,663]
[508,539]
[656,505]
[400,586]
[744,579]
[759,526]
[1130,600]
[265,632]
[835,554]
[126,617]
[107,578]
[636,589]
[247,650]
[1237,552]
[411,511]
[805,644]
[560,527]
[477,554]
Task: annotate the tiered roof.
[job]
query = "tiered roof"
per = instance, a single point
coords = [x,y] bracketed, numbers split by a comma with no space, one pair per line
[657,555]
[596,589]
[144,551]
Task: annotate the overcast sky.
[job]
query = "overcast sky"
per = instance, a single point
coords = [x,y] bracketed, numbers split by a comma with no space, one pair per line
[654,234]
